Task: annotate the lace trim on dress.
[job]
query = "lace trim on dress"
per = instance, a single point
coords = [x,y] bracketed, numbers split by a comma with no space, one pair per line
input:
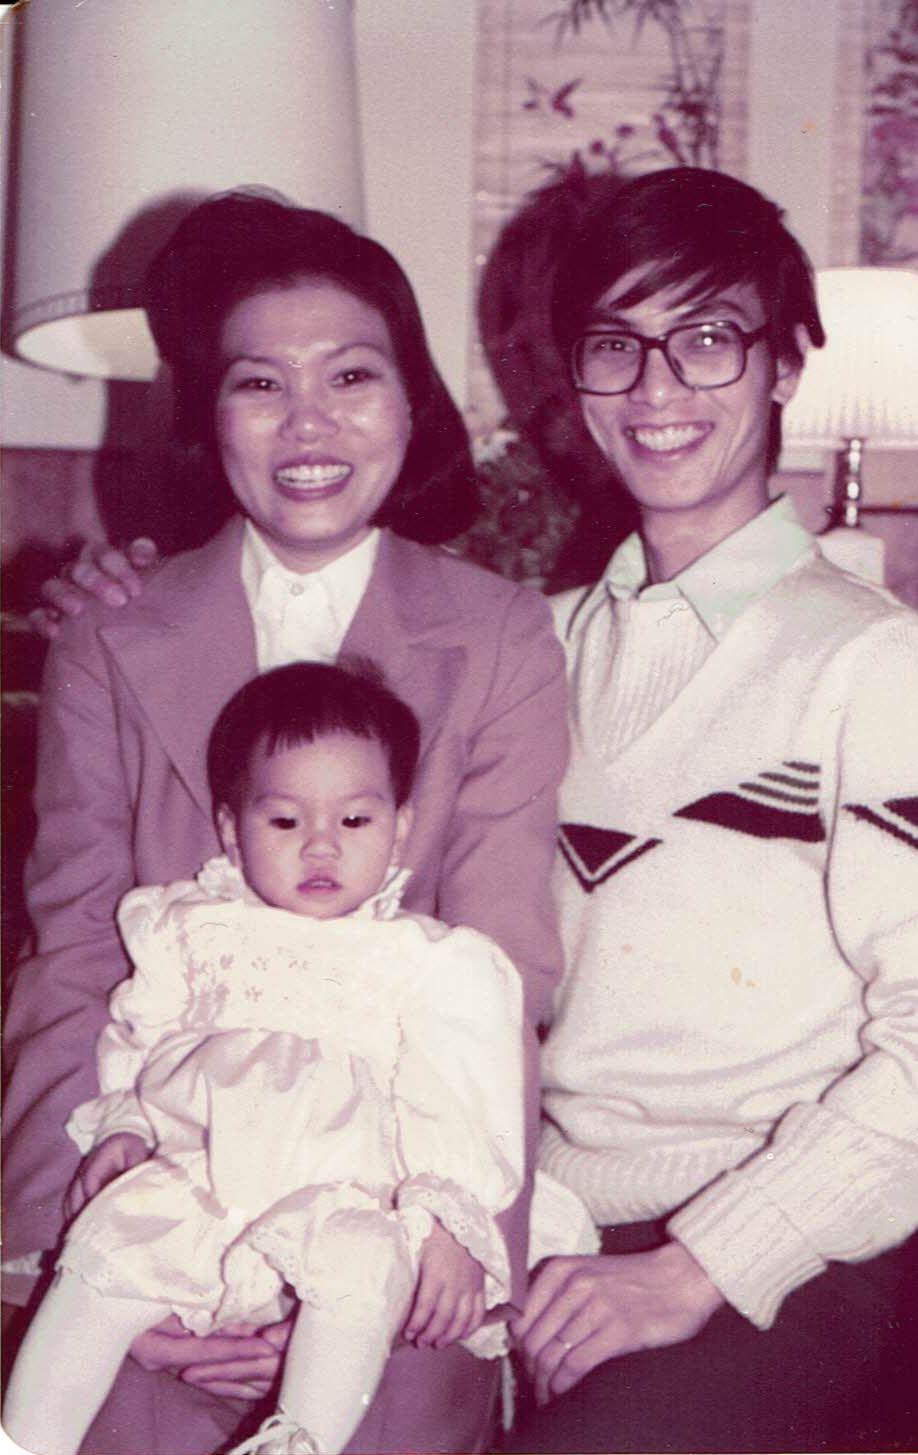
[95,1270]
[470,1224]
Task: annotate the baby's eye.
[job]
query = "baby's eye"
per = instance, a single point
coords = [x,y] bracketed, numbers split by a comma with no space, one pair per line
[356,820]
[282,821]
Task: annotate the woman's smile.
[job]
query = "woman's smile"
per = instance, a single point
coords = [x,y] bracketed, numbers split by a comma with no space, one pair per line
[311,479]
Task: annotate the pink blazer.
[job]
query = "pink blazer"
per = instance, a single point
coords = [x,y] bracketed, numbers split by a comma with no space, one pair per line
[128,700]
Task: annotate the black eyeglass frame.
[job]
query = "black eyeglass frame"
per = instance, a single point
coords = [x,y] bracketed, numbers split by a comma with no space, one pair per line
[746,337]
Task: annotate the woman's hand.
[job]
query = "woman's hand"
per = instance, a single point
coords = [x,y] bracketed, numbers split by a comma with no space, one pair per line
[449,1299]
[118,1153]
[99,571]
[584,1310]
[239,1361]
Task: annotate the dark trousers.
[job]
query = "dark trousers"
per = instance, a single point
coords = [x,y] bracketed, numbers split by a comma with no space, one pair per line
[837,1371]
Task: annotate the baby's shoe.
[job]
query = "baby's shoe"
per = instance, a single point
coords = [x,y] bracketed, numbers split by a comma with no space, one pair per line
[279,1435]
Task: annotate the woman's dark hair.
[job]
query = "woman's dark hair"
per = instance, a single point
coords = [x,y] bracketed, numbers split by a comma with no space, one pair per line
[300,703]
[239,244]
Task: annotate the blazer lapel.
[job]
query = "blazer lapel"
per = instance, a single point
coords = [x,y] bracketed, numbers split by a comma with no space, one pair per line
[186,649]
[409,624]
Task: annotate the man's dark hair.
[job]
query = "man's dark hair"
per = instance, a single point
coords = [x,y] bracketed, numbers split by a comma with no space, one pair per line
[697,232]
[301,703]
[692,230]
[240,244]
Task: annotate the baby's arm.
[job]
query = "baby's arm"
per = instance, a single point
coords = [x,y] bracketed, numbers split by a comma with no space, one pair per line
[449,1301]
[114,1155]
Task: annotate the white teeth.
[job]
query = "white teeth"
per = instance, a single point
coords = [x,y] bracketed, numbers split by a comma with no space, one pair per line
[311,476]
[670,437]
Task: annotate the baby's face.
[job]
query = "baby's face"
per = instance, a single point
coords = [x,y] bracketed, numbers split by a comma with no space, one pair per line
[318,826]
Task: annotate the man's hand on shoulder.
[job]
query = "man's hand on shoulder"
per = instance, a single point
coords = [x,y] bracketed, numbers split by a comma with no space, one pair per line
[99,572]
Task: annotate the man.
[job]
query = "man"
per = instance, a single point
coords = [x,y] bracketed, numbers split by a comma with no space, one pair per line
[731,1078]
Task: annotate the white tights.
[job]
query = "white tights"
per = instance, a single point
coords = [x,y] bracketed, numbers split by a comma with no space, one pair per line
[337,1351]
[68,1361]
[74,1347]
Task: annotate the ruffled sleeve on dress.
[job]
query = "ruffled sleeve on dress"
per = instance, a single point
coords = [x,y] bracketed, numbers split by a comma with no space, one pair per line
[142,1009]
[459,1096]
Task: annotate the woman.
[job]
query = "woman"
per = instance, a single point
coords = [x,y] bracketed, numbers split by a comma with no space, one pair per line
[303,382]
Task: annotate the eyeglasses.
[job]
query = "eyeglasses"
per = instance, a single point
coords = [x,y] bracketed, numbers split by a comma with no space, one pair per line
[701,355]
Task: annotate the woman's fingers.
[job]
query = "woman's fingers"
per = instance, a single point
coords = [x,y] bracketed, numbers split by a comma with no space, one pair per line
[242,1378]
[170,1346]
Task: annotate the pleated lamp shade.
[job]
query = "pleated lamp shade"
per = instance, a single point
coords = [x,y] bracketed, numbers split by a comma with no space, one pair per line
[863,384]
[129,113]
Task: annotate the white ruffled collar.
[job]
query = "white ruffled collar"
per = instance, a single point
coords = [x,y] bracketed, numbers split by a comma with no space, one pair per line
[219,879]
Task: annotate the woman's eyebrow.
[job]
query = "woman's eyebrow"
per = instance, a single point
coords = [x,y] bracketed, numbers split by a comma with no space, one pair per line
[243,358]
[275,359]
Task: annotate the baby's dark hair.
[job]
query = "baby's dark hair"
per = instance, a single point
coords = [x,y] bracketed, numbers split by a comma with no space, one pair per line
[300,703]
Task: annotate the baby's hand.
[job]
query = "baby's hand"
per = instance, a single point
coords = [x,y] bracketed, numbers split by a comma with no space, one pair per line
[115,1155]
[449,1299]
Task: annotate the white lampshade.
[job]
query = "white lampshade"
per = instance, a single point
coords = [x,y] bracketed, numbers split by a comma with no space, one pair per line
[864,383]
[131,111]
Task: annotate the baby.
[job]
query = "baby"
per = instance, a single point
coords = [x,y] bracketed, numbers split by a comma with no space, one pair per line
[285,1021]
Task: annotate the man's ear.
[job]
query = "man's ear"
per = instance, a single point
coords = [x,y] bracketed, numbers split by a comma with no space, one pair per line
[226,828]
[788,376]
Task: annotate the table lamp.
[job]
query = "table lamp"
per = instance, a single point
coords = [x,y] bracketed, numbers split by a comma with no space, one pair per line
[860,391]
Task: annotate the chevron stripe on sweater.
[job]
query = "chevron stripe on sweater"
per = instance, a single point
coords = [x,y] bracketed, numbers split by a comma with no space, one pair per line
[595,854]
[781,803]
[897,816]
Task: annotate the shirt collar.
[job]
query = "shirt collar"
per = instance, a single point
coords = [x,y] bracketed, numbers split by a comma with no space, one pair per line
[343,580]
[722,582]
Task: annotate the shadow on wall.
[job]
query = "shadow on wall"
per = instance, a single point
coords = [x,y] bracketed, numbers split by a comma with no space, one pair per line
[514,321]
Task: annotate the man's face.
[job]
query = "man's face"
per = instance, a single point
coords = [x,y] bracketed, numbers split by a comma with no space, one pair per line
[696,453]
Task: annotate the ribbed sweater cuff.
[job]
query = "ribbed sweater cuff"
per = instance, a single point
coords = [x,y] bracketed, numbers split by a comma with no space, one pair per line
[748,1248]
[826,1188]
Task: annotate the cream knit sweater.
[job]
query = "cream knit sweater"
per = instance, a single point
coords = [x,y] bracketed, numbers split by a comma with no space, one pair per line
[738,1034]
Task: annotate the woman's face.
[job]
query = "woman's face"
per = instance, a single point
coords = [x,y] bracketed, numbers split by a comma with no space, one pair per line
[312,418]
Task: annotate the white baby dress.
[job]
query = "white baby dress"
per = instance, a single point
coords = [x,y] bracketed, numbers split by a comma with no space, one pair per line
[285,1068]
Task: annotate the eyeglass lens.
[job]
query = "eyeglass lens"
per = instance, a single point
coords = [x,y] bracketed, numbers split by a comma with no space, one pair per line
[702,356]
